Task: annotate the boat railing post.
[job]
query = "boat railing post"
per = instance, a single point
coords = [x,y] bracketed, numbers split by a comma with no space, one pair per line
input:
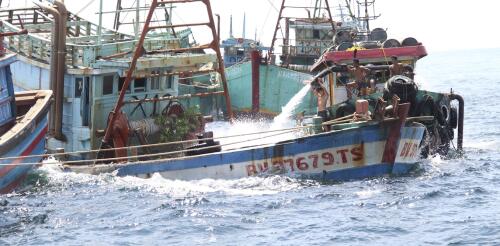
[317,124]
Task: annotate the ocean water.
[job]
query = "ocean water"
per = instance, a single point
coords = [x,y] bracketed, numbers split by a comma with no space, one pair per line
[444,201]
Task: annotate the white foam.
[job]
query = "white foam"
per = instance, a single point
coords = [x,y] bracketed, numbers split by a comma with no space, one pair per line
[284,119]
[251,186]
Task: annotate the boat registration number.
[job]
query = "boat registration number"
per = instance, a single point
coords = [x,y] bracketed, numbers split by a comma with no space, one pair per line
[309,161]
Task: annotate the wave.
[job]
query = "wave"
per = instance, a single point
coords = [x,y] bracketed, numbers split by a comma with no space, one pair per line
[55,179]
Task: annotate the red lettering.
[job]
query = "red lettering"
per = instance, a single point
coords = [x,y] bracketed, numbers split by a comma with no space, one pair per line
[327,158]
[414,150]
[403,151]
[315,160]
[302,164]
[357,153]
[251,170]
[343,154]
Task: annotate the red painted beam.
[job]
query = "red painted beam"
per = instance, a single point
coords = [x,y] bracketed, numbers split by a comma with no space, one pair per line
[255,55]
[418,51]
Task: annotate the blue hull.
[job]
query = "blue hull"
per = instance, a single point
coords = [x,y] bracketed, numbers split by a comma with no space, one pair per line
[12,171]
[348,154]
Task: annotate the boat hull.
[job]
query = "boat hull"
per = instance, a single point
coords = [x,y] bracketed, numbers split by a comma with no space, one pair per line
[13,171]
[353,153]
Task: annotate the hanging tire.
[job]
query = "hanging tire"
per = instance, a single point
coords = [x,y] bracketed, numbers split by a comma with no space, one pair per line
[344,46]
[391,43]
[370,45]
[344,109]
[378,34]
[409,42]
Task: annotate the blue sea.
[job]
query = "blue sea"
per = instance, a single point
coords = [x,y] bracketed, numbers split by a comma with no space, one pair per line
[444,201]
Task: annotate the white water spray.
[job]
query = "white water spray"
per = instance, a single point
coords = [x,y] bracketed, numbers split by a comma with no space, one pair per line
[284,119]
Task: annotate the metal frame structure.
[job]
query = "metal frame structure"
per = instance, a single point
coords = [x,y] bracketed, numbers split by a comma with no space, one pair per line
[280,16]
[139,51]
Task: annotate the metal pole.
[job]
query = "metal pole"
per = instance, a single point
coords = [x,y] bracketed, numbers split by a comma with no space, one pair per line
[215,46]
[137,19]
[271,49]
[461,108]
[99,28]
[330,15]
[61,67]
[218,27]
[255,55]
[116,24]
[53,63]
[137,53]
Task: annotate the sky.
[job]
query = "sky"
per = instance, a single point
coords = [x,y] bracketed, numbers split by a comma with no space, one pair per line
[439,24]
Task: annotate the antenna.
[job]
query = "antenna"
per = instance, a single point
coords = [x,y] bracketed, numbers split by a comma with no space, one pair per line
[231,26]
[244,24]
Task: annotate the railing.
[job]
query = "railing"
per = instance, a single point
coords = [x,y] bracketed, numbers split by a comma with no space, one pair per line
[307,47]
[81,51]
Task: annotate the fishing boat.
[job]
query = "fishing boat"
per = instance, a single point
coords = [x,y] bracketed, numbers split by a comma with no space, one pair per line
[342,149]
[263,88]
[238,50]
[376,53]
[263,85]
[23,125]
[86,64]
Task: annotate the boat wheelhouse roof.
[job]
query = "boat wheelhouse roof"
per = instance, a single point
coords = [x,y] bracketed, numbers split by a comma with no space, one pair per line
[84,47]
[370,55]
[7,60]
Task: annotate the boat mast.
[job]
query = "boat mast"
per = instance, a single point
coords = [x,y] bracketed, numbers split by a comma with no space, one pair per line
[99,28]
[366,16]
[244,25]
[116,24]
[137,18]
[231,26]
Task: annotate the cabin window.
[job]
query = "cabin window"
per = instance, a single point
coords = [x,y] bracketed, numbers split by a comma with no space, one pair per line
[169,81]
[121,82]
[316,34]
[140,85]
[85,102]
[78,87]
[240,52]
[155,80]
[107,85]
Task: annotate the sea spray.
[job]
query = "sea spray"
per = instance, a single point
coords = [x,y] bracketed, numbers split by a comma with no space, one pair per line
[284,119]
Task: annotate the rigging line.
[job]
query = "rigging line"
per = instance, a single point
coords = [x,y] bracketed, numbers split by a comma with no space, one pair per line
[127,12]
[85,7]
[157,144]
[272,5]
[57,162]
[265,22]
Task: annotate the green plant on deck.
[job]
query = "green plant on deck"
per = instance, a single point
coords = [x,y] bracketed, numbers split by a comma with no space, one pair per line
[177,128]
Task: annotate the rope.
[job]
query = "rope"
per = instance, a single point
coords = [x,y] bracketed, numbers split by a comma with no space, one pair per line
[385,56]
[153,145]
[84,7]
[153,155]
